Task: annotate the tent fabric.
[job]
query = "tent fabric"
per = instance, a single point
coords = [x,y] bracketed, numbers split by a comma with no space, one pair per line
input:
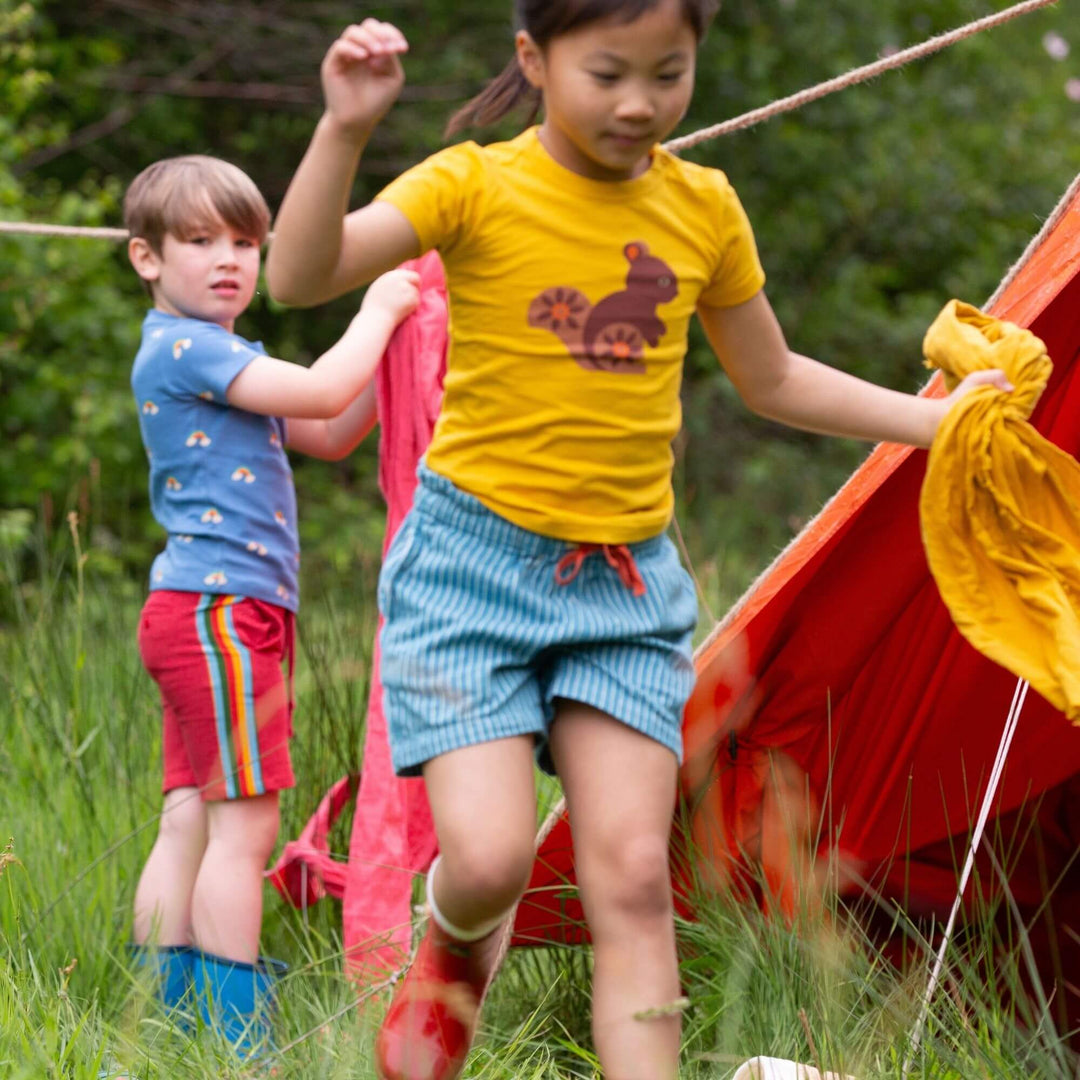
[393,836]
[840,722]
[1000,509]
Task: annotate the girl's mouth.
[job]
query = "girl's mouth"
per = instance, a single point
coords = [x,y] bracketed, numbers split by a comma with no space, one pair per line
[628,141]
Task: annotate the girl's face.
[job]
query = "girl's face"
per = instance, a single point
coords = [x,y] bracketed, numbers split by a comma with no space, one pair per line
[611,90]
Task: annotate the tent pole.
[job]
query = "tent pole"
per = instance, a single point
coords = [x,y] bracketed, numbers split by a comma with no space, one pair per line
[1019,694]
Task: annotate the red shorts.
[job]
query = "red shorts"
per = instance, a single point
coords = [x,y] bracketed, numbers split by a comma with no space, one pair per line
[227,707]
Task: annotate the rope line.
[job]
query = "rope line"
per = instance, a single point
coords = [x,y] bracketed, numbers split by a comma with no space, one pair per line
[856,75]
[1049,226]
[726,127]
[30,228]
[1019,695]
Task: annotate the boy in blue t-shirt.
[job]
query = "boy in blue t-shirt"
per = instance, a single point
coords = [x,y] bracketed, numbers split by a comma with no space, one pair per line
[219,619]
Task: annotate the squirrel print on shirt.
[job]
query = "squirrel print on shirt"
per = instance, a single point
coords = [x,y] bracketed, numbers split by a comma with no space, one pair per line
[611,335]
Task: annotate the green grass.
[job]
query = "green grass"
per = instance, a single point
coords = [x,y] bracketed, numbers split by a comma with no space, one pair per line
[79,795]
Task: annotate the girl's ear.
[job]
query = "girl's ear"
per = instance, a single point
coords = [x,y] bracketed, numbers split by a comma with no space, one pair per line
[146,261]
[530,59]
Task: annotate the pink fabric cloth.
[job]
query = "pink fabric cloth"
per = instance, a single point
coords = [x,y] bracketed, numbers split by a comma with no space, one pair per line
[393,837]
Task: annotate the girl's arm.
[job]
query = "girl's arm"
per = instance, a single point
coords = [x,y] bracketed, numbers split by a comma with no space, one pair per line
[800,392]
[326,389]
[318,252]
[337,437]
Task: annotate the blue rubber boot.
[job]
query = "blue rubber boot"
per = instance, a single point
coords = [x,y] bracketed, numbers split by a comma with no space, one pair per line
[171,969]
[237,1000]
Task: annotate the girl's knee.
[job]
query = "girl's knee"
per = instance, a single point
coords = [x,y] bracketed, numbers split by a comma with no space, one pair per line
[495,869]
[633,877]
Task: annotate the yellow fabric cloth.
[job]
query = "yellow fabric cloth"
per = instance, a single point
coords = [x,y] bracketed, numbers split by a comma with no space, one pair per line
[570,300]
[1000,509]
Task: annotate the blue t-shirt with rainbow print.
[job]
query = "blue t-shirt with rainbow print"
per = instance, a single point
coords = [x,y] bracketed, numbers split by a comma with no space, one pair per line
[220,482]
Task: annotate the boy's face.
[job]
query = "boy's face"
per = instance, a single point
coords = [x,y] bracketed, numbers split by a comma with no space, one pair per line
[209,275]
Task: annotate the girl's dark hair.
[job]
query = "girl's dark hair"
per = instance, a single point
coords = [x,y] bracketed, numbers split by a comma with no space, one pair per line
[545,20]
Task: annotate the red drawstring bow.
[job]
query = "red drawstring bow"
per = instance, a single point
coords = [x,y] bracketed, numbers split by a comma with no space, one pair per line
[618,557]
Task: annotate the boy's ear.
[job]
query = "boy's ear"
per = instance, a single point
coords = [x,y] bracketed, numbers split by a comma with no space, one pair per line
[530,59]
[146,261]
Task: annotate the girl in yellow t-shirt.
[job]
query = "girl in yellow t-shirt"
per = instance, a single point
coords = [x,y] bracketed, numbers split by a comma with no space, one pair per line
[532,601]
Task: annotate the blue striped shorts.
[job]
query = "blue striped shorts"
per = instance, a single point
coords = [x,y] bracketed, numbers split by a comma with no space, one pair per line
[480,638]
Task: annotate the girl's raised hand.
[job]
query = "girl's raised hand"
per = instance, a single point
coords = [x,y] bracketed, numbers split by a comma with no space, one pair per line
[362,75]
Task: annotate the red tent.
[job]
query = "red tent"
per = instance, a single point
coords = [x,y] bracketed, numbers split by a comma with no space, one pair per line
[840,720]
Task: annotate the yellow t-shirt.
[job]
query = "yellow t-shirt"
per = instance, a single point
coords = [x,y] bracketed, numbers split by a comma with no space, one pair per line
[570,300]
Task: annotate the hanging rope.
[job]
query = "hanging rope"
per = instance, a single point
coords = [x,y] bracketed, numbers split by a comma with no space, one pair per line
[738,123]
[856,75]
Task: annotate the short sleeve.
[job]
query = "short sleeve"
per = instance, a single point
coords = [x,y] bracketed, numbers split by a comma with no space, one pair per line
[738,275]
[441,196]
[205,360]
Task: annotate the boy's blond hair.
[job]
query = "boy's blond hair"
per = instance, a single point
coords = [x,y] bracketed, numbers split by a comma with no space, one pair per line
[182,195]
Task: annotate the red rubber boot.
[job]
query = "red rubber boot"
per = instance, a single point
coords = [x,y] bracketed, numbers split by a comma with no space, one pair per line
[430,1024]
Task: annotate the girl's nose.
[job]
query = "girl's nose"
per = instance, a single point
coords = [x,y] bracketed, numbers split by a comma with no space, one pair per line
[636,106]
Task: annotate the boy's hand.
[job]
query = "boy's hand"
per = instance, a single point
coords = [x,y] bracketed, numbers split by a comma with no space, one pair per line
[362,75]
[395,293]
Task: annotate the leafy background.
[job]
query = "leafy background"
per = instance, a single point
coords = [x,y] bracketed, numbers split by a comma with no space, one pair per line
[871,209]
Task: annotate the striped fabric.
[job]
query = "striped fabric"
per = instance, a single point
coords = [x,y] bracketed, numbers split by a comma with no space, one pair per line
[228,664]
[486,627]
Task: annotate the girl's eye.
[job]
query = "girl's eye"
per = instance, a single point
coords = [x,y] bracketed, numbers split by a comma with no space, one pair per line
[246,243]
[671,77]
[202,241]
[605,77]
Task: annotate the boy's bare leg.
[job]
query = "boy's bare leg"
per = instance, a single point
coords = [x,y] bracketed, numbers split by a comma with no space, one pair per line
[620,790]
[228,898]
[163,896]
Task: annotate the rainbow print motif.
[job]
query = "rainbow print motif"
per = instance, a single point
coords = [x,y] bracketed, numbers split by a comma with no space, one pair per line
[228,664]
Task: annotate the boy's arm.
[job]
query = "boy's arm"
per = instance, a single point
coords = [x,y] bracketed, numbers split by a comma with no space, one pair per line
[326,389]
[338,437]
[800,392]
[318,252]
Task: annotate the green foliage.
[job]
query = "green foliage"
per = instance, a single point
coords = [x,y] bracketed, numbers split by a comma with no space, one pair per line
[65,320]
[871,208]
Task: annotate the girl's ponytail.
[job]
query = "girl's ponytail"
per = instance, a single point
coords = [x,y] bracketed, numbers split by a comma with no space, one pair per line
[545,20]
[506,92]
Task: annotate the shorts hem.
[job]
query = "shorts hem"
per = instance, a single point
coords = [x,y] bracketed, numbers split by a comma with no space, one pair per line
[410,757]
[647,726]
[209,796]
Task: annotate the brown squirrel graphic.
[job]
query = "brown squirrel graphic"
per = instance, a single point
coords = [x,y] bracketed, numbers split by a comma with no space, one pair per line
[611,335]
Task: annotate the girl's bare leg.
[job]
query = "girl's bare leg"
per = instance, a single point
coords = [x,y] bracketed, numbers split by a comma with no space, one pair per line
[483,802]
[620,790]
